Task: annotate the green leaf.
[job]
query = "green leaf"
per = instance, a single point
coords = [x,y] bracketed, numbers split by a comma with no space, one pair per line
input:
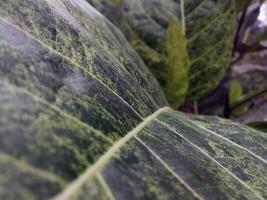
[209,27]
[178,61]
[235,92]
[81,117]
[210,33]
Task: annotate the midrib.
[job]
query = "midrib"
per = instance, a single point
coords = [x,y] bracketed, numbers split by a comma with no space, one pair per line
[92,170]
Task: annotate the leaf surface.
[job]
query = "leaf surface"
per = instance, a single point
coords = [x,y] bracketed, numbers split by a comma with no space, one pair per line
[82,118]
[209,29]
[177,83]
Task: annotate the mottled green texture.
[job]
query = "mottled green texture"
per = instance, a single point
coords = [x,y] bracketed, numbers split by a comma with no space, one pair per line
[173,157]
[178,65]
[210,39]
[74,103]
[247,137]
[70,86]
[46,74]
[239,161]
[72,32]
[43,136]
[209,31]
[21,181]
[93,190]
[206,177]
[136,169]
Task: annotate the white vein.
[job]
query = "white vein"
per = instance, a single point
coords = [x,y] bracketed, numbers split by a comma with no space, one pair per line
[211,158]
[229,141]
[169,169]
[23,166]
[102,161]
[55,108]
[105,187]
[73,63]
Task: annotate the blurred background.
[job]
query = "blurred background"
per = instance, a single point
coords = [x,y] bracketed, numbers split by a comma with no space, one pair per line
[219,66]
[248,92]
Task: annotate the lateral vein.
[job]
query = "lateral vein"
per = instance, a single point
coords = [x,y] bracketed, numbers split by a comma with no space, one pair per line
[71,62]
[230,142]
[212,159]
[91,171]
[55,108]
[105,187]
[169,169]
[30,168]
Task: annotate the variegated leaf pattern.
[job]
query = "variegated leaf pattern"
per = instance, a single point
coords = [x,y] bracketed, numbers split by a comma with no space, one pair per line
[209,29]
[82,118]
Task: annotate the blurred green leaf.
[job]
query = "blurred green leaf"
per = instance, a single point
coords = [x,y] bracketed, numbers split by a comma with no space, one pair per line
[235,92]
[178,64]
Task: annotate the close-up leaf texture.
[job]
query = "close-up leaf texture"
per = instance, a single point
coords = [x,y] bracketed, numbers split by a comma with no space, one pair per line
[82,117]
[208,25]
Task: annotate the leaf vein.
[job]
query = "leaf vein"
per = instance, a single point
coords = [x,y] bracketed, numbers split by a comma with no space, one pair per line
[90,172]
[169,169]
[211,158]
[73,63]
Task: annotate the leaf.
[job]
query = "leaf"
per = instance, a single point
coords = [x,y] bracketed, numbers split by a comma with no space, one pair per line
[82,118]
[235,96]
[178,61]
[209,26]
[235,92]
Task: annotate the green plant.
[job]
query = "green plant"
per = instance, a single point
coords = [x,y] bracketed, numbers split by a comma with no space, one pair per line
[235,92]
[177,83]
[81,117]
[208,29]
